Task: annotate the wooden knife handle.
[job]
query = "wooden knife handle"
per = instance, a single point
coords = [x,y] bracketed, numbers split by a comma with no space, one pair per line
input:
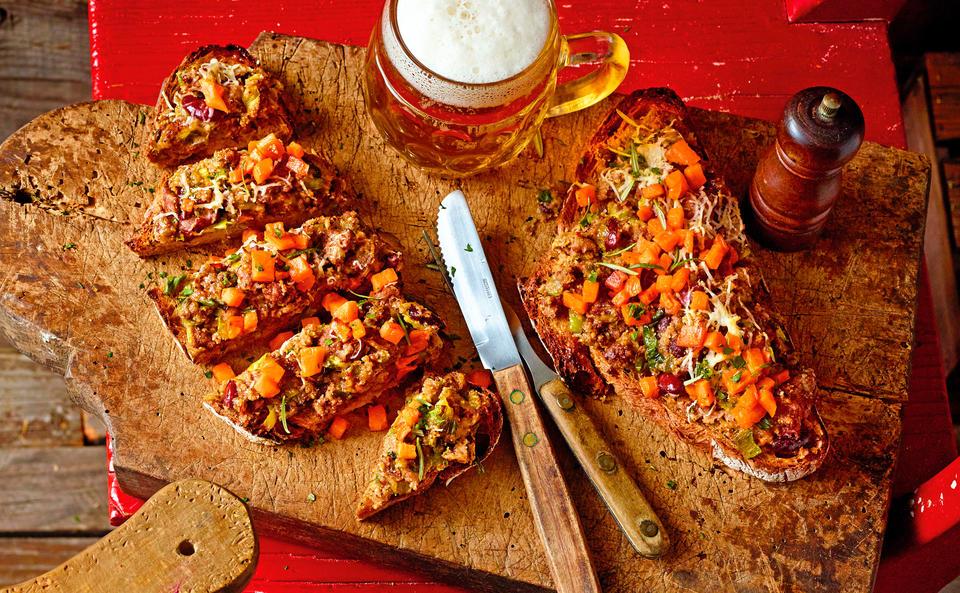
[553,510]
[191,535]
[623,497]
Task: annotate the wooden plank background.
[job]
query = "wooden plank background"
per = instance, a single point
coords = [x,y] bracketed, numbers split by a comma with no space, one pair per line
[44,64]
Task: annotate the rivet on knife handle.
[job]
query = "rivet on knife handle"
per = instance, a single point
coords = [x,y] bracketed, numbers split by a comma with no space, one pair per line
[626,502]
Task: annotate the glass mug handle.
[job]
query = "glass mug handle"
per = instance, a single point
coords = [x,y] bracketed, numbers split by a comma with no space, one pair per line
[583,92]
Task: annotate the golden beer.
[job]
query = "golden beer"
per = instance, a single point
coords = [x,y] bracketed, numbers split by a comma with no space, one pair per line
[485,106]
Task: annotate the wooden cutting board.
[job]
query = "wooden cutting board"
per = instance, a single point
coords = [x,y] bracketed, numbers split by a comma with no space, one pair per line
[73,297]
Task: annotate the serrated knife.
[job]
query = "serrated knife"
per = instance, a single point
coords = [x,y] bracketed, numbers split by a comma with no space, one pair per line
[554,513]
[623,497]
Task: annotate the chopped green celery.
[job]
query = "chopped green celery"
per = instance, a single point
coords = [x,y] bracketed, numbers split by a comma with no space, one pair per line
[576,322]
[744,441]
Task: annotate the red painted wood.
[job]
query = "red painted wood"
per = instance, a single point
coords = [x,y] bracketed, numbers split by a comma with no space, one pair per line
[731,55]
[823,11]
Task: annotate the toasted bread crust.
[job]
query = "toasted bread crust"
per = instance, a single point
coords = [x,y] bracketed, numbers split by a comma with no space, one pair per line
[589,371]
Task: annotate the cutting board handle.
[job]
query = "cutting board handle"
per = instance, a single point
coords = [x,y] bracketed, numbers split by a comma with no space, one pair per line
[192,535]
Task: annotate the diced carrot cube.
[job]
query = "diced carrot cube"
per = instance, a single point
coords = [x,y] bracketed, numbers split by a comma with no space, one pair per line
[346,312]
[383,278]
[591,290]
[406,451]
[669,303]
[232,297]
[247,233]
[767,401]
[250,321]
[338,427]
[634,287]
[377,418]
[676,185]
[308,321]
[222,372]
[302,273]
[667,240]
[716,252]
[654,190]
[782,377]
[663,283]
[704,394]
[754,358]
[262,170]
[311,360]
[621,297]
[300,241]
[692,336]
[294,149]
[266,386]
[632,315]
[261,266]
[616,280]
[279,339]
[655,226]
[675,218]
[574,301]
[271,147]
[586,194]
[681,153]
[357,329]
[391,332]
[332,301]
[695,176]
[649,295]
[699,301]
[649,387]
[680,278]
[645,212]
[341,329]
[715,342]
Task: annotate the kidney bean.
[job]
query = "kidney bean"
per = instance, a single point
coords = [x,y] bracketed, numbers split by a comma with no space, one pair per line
[670,383]
[229,392]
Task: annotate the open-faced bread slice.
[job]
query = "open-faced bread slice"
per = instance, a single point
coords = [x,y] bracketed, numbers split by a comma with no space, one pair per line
[219,197]
[649,291]
[445,427]
[329,369]
[218,97]
[268,284]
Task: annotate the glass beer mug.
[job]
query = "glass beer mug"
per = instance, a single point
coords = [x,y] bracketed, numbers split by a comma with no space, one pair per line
[458,86]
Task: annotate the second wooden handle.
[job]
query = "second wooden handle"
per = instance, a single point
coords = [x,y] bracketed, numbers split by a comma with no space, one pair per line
[553,510]
[623,497]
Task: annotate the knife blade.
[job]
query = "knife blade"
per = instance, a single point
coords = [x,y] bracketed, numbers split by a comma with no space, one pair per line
[624,500]
[554,514]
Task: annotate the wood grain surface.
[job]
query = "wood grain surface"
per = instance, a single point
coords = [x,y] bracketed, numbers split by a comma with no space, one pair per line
[82,312]
[191,536]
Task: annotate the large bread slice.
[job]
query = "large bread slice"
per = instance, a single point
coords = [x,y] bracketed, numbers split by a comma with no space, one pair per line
[646,335]
[189,122]
[293,393]
[213,199]
[279,279]
[448,426]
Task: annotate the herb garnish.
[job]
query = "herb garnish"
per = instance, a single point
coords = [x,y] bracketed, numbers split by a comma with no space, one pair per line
[468,248]
[680,262]
[619,251]
[69,246]
[283,413]
[654,358]
[171,283]
[420,459]
[544,196]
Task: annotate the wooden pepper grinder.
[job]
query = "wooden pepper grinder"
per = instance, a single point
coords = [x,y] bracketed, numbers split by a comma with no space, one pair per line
[798,181]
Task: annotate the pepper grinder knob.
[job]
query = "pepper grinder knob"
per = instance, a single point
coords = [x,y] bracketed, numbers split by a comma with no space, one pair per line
[797,181]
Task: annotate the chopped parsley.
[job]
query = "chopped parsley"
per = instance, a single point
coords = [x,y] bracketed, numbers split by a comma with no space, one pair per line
[171,283]
[671,485]
[736,377]
[653,355]
[208,374]
[468,248]
[544,196]
[69,246]
[312,497]
[738,362]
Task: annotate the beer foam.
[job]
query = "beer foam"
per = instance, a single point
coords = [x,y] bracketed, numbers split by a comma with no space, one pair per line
[468,41]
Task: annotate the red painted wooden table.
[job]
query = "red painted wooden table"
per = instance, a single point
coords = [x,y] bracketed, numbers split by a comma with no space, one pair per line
[734,55]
